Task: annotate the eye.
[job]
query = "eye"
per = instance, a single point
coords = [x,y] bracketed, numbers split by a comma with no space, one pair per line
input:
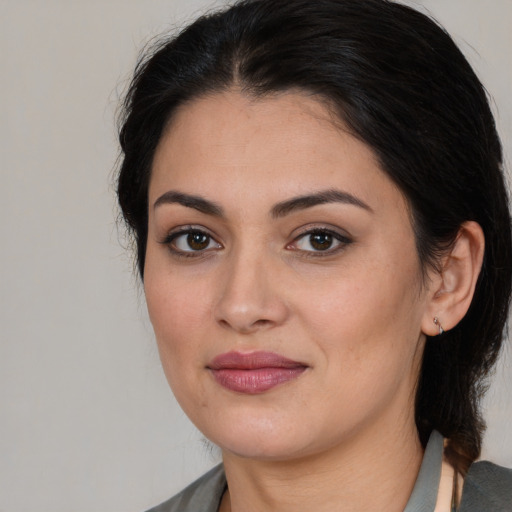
[190,241]
[320,241]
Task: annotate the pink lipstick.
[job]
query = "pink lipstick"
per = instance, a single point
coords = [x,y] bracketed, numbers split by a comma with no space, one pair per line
[254,372]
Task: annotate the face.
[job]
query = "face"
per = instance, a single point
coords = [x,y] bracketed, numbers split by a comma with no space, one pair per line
[281,278]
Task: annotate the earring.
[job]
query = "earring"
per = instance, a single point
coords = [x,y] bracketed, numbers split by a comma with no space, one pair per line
[438,323]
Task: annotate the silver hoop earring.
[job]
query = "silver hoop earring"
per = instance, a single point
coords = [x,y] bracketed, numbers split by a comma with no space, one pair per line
[438,323]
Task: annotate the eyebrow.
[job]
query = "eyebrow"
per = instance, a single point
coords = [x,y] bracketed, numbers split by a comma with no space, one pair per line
[321,197]
[190,201]
[279,210]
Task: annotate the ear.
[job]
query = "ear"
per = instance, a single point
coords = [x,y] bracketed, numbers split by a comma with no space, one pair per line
[452,289]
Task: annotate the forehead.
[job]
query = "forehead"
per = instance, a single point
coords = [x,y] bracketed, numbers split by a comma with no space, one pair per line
[287,144]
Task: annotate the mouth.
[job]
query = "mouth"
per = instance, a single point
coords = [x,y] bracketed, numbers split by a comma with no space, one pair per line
[254,372]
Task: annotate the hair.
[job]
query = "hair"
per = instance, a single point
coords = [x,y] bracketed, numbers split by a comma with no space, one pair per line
[399,83]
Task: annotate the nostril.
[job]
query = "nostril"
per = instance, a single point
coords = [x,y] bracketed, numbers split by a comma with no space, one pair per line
[224,323]
[245,327]
[261,323]
[247,304]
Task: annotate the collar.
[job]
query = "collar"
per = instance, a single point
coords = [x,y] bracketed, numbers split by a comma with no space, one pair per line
[424,493]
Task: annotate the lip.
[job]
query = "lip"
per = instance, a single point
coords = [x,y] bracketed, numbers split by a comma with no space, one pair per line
[254,372]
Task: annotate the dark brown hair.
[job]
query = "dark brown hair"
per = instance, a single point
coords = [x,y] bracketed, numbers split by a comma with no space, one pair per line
[400,84]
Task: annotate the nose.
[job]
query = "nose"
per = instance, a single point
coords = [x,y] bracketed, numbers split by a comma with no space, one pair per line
[251,296]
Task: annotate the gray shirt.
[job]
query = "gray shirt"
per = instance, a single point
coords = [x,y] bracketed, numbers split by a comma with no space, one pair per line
[487,487]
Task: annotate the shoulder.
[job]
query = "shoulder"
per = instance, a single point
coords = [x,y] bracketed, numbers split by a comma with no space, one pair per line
[488,487]
[203,495]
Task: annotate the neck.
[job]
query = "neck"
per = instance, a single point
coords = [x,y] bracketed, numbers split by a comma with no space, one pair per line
[370,471]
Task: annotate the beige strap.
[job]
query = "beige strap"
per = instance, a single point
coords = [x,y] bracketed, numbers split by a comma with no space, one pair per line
[448,495]
[445,492]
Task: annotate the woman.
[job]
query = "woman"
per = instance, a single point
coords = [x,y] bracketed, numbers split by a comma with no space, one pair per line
[323,234]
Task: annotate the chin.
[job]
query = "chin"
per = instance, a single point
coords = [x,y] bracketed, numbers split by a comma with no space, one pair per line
[265,450]
[261,438]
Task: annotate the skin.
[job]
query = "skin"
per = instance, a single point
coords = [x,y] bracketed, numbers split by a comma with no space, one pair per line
[354,314]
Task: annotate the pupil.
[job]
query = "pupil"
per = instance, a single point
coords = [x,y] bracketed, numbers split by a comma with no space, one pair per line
[321,241]
[197,241]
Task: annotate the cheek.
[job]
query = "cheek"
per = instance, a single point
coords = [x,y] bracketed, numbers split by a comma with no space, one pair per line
[367,329]
[371,313]
[176,312]
[179,308]
[178,319]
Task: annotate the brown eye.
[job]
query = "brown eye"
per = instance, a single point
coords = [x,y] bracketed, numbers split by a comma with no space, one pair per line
[198,241]
[191,241]
[321,241]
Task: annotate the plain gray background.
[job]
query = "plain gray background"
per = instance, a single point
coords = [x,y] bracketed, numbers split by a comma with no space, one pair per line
[87,420]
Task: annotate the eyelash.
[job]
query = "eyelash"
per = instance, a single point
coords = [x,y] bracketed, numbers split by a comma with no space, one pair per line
[171,238]
[342,240]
